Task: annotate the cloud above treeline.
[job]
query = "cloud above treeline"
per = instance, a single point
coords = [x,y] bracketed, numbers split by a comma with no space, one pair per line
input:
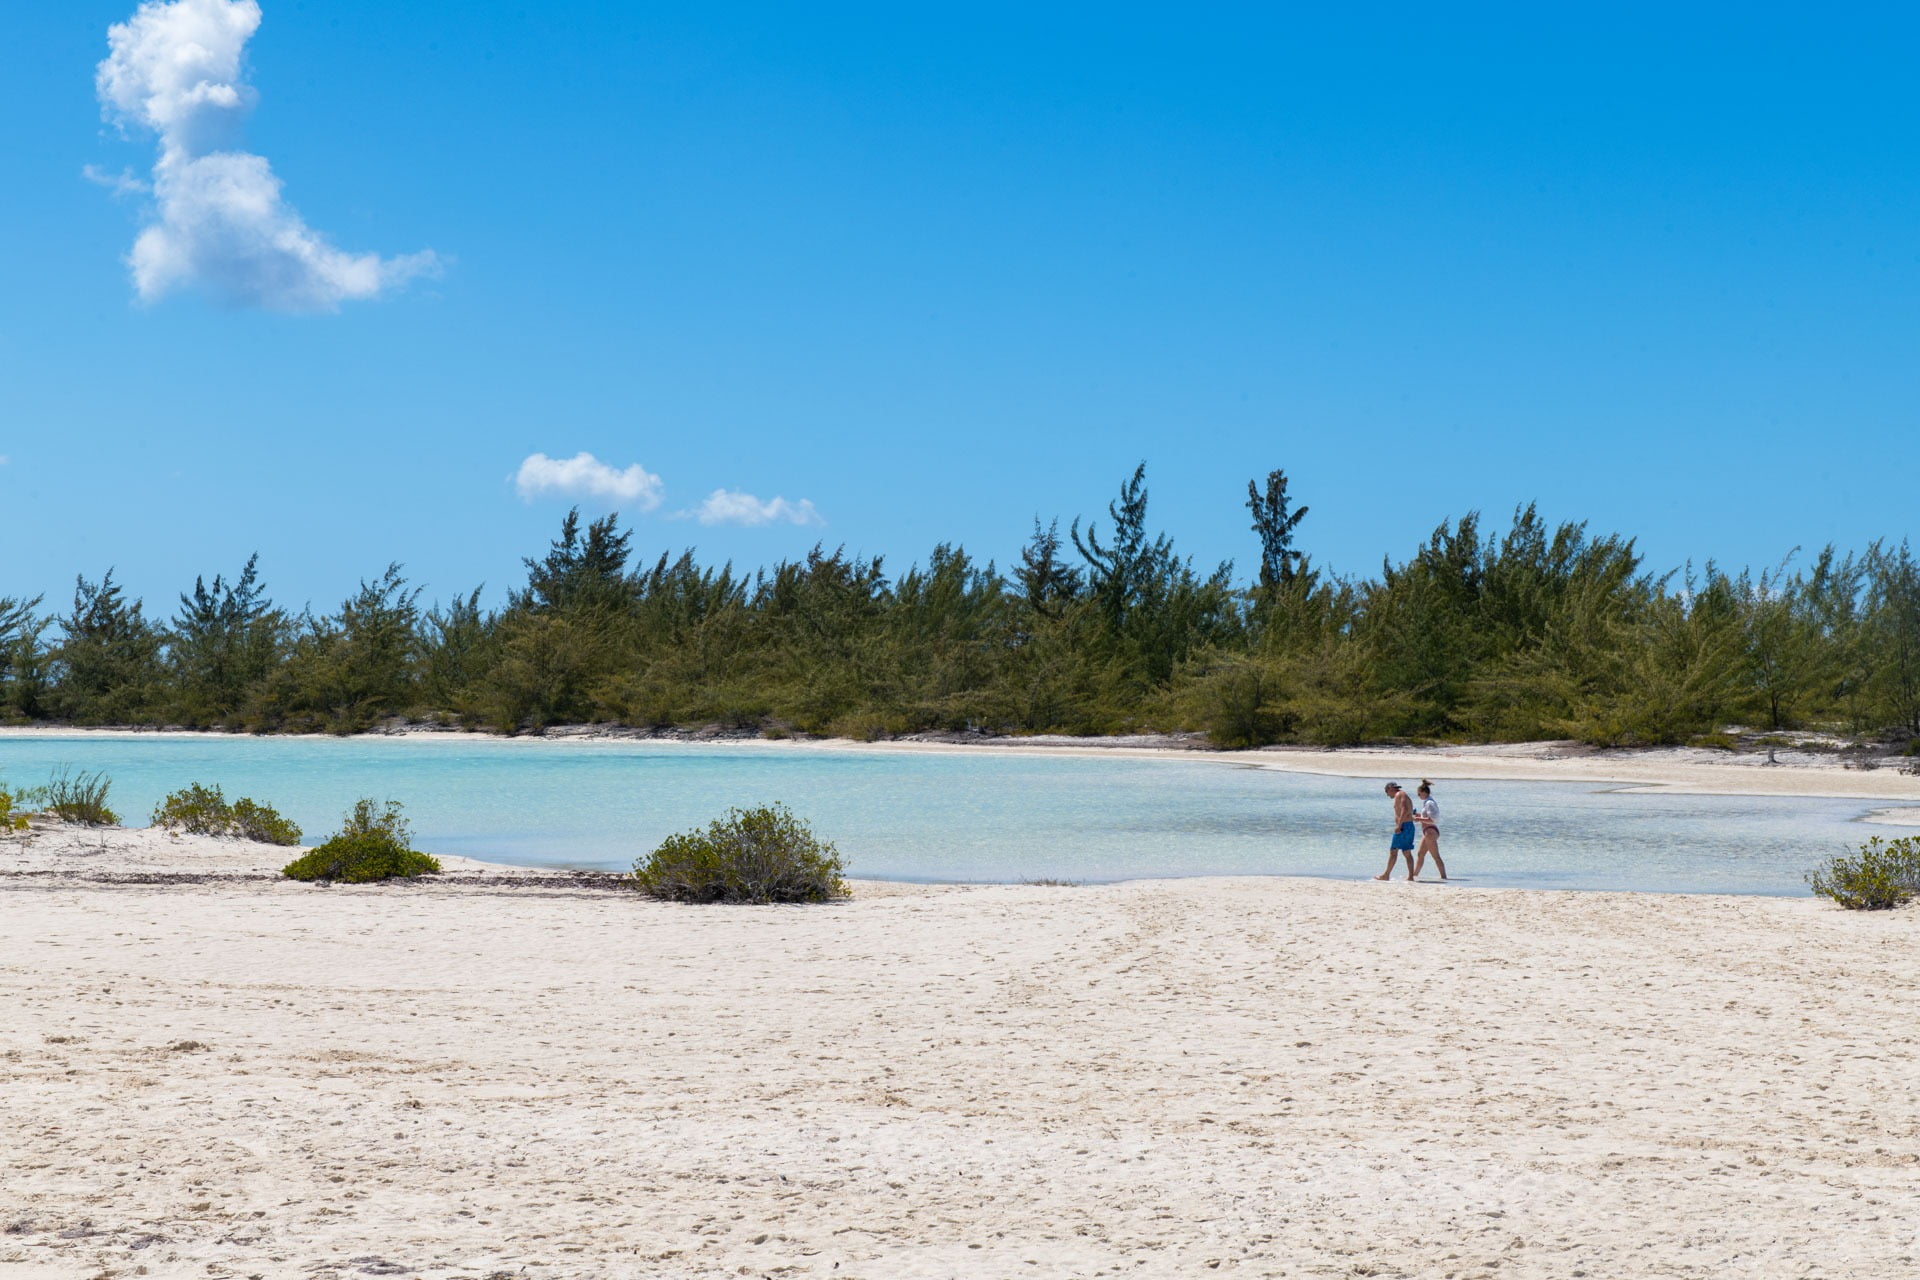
[585,476]
[216,218]
[726,506]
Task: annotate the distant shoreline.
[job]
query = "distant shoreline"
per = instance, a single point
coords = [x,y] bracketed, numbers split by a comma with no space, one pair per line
[1680,770]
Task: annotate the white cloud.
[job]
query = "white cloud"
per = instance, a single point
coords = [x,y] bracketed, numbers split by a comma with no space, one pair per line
[218,220]
[122,183]
[726,506]
[585,476]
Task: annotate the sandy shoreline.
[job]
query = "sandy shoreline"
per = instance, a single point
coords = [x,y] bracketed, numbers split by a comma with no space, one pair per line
[1263,1077]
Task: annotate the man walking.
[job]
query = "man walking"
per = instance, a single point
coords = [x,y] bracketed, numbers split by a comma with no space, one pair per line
[1402,831]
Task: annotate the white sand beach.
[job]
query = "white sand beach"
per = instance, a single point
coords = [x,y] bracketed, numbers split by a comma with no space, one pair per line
[208,1072]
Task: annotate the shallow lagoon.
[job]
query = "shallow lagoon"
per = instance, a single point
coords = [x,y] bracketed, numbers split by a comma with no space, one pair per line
[984,815]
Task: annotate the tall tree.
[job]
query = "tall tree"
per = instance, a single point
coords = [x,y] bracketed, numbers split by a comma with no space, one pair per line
[456,646]
[1275,521]
[578,571]
[1047,582]
[1117,571]
[24,663]
[345,671]
[1893,609]
[109,657]
[226,639]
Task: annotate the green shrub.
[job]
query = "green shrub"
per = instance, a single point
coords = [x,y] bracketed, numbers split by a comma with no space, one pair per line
[204,811]
[197,810]
[751,855]
[10,821]
[1233,703]
[374,843]
[262,823]
[869,726]
[1885,873]
[77,797]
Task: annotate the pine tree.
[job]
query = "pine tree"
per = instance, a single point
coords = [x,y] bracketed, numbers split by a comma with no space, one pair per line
[1275,522]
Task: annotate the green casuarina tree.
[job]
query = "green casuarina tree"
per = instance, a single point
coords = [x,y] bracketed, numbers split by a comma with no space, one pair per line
[1048,584]
[1274,520]
[379,628]
[579,571]
[819,627]
[1535,631]
[457,643]
[225,641]
[1684,675]
[345,671]
[1116,571]
[108,658]
[1156,609]
[1893,613]
[1786,652]
[945,637]
[25,664]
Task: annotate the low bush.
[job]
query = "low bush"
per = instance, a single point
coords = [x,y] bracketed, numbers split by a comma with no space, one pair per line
[1884,874]
[204,811]
[10,819]
[374,843]
[77,797]
[196,810]
[751,855]
[263,823]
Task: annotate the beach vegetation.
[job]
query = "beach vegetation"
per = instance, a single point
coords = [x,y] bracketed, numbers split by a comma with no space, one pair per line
[76,797]
[1882,874]
[374,843]
[25,660]
[202,810]
[262,823]
[225,642]
[759,855]
[344,671]
[1274,521]
[1536,629]
[110,667]
[194,810]
[11,819]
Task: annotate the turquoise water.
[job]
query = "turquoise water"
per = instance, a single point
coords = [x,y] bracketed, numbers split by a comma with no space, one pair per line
[974,816]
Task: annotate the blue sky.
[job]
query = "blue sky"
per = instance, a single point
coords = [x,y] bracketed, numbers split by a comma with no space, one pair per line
[935,272]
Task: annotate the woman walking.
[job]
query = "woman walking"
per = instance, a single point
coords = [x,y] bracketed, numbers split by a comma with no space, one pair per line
[1427,814]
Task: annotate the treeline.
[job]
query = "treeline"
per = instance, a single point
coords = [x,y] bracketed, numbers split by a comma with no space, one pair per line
[1538,632]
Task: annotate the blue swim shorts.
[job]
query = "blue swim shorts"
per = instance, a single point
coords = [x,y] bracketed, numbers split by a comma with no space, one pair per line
[1403,838]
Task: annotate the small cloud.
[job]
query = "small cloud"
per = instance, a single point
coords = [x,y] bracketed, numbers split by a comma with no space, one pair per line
[122,183]
[725,506]
[217,220]
[585,476]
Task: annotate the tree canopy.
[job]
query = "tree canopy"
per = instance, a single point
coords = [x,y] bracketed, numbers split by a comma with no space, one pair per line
[1540,630]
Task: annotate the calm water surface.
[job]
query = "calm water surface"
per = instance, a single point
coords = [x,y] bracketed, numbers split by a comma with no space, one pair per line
[973,816]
